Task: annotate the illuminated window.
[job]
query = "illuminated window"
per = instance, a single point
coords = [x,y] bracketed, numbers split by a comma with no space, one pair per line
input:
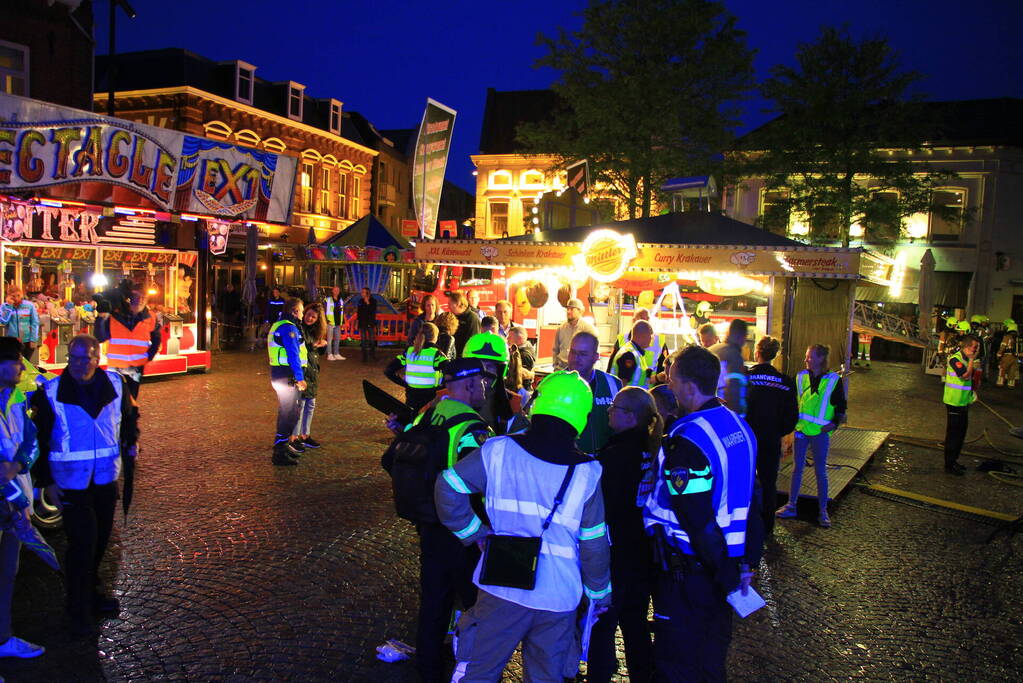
[244,77]
[335,117]
[499,217]
[13,68]
[531,179]
[296,97]
[305,184]
[326,187]
[341,210]
[356,196]
[501,179]
[947,216]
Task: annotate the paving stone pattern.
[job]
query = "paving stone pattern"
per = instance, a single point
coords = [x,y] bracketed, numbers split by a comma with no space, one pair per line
[229,569]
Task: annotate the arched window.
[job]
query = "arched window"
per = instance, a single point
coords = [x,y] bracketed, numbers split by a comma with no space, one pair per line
[500,179]
[531,179]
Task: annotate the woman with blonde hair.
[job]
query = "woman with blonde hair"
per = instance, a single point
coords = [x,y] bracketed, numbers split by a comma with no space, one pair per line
[418,369]
[627,457]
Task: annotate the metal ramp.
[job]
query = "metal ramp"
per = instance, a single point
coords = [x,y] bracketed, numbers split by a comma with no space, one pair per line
[851,450]
[873,320]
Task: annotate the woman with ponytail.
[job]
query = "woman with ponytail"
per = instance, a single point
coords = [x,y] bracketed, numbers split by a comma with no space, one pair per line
[629,453]
[418,369]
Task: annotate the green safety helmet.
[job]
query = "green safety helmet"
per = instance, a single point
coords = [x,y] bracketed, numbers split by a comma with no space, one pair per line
[1010,325]
[979,318]
[565,395]
[964,326]
[951,321]
[487,346]
[703,307]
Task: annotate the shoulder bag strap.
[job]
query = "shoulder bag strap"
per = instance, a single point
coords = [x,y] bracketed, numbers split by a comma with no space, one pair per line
[559,497]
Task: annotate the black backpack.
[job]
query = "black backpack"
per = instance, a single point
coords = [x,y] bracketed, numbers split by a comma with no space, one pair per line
[414,459]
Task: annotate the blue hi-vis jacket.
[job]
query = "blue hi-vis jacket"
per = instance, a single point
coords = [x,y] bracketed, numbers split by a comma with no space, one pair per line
[731,451]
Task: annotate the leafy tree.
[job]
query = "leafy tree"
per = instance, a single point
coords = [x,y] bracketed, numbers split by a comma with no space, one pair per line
[835,156]
[649,90]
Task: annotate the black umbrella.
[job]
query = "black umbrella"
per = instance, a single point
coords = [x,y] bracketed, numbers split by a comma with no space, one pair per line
[128,468]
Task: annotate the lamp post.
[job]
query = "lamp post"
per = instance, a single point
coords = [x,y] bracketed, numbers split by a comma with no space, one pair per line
[112,57]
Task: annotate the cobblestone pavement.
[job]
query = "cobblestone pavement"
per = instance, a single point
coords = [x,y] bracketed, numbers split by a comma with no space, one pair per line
[231,570]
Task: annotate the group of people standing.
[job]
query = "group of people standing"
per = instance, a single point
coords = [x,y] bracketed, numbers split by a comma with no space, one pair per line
[654,480]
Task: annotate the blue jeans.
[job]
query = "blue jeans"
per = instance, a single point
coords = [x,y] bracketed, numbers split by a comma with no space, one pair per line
[334,340]
[819,444]
[306,408]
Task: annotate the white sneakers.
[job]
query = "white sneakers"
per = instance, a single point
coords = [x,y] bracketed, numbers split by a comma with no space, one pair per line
[16,647]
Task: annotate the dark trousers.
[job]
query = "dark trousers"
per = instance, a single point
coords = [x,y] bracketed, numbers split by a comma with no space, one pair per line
[955,432]
[88,520]
[10,549]
[445,572]
[768,459]
[692,631]
[368,341]
[288,407]
[630,602]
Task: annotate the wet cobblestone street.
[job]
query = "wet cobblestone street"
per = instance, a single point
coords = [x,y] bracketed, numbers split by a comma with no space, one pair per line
[229,569]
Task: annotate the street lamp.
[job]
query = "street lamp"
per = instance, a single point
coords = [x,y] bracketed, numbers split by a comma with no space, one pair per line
[112,58]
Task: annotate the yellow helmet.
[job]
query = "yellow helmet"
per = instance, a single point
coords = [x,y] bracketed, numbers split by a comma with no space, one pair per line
[963,326]
[487,346]
[564,395]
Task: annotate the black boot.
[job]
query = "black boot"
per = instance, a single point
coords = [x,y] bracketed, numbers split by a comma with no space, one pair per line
[281,456]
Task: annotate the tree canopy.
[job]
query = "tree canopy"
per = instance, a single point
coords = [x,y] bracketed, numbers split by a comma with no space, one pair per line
[830,159]
[650,91]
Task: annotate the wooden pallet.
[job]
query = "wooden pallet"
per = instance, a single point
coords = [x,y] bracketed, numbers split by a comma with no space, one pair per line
[853,448]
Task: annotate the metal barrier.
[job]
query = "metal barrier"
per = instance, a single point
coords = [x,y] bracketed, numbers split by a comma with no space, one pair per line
[391,328]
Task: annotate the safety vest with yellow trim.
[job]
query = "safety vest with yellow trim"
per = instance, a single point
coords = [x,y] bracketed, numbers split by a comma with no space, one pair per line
[278,354]
[19,444]
[639,378]
[84,450]
[653,354]
[958,390]
[421,368]
[815,409]
[462,437]
[129,348]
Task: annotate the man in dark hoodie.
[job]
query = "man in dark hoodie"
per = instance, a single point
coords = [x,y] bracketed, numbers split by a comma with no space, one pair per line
[539,485]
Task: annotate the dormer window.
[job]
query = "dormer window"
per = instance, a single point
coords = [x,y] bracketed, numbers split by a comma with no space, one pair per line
[296,97]
[244,77]
[335,117]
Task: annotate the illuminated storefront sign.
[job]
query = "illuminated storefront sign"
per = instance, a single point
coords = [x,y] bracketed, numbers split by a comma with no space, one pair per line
[24,222]
[605,255]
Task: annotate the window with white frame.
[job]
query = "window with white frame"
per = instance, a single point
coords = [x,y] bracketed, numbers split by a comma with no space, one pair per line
[342,195]
[296,97]
[244,77]
[499,217]
[13,68]
[947,217]
[335,117]
[531,179]
[356,196]
[305,185]
[326,189]
[501,179]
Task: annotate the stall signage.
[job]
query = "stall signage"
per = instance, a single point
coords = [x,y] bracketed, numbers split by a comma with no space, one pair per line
[485,252]
[606,254]
[125,256]
[22,222]
[87,157]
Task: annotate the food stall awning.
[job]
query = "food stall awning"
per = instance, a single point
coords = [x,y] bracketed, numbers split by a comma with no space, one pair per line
[368,231]
[691,243]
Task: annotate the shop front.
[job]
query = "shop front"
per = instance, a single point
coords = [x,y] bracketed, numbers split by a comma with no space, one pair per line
[685,270]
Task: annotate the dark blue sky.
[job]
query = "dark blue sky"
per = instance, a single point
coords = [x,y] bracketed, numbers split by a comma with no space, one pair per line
[383,58]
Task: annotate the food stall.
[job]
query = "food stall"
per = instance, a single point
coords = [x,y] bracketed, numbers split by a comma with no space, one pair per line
[670,263]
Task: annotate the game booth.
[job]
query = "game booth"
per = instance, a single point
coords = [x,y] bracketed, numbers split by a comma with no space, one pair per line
[685,269]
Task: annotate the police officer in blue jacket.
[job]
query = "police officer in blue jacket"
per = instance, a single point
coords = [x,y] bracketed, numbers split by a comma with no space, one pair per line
[696,513]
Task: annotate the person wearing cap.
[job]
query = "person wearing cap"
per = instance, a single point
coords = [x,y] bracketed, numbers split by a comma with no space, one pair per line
[17,436]
[582,358]
[445,565]
[86,418]
[503,408]
[960,391]
[537,485]
[22,320]
[573,324]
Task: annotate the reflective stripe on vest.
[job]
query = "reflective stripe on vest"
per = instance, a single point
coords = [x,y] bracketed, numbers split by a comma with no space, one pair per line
[129,348]
[639,377]
[420,371]
[278,354]
[815,409]
[730,447]
[958,390]
[520,493]
[15,429]
[83,449]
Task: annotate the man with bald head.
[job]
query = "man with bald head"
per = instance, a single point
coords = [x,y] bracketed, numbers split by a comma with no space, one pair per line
[630,363]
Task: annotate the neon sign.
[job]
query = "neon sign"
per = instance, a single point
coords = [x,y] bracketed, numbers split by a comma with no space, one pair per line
[605,255]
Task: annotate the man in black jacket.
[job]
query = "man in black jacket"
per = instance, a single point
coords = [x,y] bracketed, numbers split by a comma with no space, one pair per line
[468,320]
[772,411]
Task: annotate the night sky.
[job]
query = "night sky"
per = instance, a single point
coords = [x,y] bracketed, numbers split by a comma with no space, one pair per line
[383,58]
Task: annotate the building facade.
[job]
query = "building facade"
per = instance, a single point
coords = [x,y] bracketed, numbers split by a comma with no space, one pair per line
[390,187]
[979,249]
